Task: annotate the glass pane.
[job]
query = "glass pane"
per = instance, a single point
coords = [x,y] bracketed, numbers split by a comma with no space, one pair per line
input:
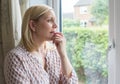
[36,2]
[85,26]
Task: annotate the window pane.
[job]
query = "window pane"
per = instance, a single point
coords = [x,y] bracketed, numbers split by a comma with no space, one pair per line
[36,2]
[85,26]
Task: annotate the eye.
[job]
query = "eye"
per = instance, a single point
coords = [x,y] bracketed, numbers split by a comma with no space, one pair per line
[50,20]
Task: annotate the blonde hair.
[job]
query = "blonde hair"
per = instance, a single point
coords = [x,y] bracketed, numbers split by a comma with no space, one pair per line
[32,13]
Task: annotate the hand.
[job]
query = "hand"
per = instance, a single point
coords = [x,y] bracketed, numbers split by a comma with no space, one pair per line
[60,43]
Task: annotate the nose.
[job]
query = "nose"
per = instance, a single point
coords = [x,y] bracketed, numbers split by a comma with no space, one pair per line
[55,25]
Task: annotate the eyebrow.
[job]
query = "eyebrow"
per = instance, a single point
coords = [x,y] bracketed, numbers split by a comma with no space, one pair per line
[51,17]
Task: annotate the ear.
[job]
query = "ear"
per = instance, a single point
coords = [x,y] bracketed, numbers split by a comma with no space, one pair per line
[32,25]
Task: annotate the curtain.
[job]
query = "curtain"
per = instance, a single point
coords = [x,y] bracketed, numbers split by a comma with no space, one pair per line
[16,19]
[10,28]
[6,34]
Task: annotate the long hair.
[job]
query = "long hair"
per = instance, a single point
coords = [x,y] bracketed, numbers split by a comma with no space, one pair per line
[32,13]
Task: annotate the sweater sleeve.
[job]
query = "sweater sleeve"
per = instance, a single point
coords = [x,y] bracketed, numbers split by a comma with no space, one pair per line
[14,71]
[73,79]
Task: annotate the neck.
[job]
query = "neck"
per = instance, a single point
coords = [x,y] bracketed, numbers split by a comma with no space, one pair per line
[40,43]
[41,47]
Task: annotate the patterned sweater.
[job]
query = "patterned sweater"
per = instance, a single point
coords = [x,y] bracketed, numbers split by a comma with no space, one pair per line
[21,67]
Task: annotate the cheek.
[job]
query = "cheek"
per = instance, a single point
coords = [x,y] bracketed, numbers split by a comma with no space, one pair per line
[43,31]
[46,26]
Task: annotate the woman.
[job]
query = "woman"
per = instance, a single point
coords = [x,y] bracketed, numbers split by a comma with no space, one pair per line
[41,57]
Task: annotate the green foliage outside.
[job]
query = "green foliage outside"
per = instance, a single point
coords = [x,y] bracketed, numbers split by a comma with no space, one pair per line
[86,49]
[100,11]
[69,23]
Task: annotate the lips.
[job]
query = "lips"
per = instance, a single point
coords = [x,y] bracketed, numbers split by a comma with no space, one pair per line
[53,32]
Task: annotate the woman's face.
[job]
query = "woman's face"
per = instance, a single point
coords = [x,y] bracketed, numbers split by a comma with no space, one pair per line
[46,26]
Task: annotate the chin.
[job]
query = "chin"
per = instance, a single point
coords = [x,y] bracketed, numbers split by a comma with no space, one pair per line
[49,39]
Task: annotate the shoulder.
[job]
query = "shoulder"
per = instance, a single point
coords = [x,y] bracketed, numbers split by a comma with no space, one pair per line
[17,53]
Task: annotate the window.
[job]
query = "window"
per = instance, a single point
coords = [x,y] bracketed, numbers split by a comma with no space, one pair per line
[87,44]
[114,74]
[36,2]
[83,10]
[83,23]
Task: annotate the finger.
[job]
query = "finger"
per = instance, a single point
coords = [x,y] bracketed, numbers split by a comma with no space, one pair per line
[57,40]
[58,33]
[57,36]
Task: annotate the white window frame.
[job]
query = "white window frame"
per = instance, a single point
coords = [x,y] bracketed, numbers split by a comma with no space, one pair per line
[114,35]
[56,5]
